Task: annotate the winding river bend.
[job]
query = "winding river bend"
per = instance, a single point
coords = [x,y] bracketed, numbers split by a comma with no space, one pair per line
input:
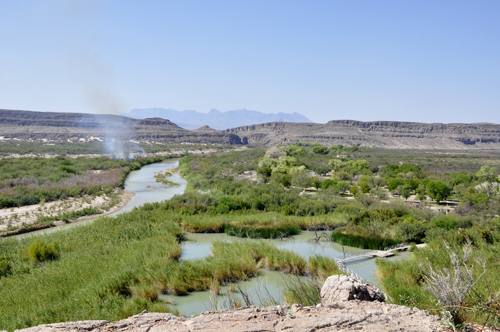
[143,184]
[145,188]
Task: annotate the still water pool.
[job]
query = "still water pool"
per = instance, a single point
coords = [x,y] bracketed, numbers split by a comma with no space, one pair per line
[267,286]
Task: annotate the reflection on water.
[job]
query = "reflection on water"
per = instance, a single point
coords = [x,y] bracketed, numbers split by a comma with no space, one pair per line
[264,287]
[262,290]
[199,245]
[143,184]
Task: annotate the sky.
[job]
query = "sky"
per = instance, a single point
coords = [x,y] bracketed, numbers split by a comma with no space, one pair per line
[413,60]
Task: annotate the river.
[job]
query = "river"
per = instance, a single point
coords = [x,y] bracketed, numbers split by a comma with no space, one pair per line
[145,188]
[197,246]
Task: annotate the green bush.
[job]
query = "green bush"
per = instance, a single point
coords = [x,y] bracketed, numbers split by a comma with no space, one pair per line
[360,238]
[262,232]
[40,251]
[446,222]
[5,266]
[69,170]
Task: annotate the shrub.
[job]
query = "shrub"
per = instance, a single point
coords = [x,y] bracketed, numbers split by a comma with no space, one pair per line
[40,251]
[446,222]
[68,169]
[361,238]
[411,232]
[5,265]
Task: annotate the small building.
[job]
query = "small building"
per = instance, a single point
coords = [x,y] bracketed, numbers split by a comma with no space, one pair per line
[345,156]
[414,203]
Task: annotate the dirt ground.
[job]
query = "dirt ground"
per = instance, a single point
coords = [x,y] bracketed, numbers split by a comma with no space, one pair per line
[26,215]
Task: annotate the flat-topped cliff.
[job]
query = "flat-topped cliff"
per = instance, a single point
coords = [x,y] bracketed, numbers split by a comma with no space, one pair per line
[62,126]
[383,134]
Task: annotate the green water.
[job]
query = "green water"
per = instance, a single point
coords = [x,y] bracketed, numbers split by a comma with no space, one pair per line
[262,289]
[268,284]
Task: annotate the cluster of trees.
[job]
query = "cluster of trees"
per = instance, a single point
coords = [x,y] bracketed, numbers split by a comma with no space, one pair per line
[365,215]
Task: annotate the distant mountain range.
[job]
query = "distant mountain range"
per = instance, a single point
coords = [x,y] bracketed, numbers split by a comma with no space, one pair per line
[30,126]
[215,119]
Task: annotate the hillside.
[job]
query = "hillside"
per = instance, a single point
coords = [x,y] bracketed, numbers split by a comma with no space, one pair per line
[215,119]
[83,127]
[384,134]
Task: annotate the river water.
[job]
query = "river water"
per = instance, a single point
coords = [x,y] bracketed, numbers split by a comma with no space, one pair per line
[145,188]
[267,286]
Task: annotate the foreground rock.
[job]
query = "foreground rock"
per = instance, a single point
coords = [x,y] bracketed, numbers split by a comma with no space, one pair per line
[340,316]
[338,288]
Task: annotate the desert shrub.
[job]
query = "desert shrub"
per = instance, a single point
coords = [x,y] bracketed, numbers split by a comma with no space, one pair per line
[359,237]
[6,202]
[411,232]
[5,266]
[446,222]
[40,251]
[69,170]
[25,199]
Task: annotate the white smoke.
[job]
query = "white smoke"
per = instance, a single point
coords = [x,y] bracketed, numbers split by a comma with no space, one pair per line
[117,140]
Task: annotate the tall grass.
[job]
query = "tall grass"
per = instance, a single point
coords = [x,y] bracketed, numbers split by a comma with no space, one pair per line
[361,238]
[96,275]
[259,224]
[117,267]
[403,280]
[307,291]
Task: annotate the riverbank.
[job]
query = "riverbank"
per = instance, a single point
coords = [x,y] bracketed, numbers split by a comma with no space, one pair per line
[36,217]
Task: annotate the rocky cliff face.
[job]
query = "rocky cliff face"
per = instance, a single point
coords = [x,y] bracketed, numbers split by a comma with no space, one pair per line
[62,126]
[384,134]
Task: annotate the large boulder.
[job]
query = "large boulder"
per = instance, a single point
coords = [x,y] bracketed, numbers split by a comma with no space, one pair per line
[338,288]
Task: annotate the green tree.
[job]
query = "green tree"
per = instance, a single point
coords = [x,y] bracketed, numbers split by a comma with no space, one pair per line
[321,149]
[355,190]
[328,183]
[405,193]
[438,190]
[395,183]
[342,186]
[488,173]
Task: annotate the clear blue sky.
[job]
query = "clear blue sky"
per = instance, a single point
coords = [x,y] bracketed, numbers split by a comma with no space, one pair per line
[422,60]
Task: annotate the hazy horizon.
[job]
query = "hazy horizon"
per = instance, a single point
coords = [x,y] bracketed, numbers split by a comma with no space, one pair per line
[425,61]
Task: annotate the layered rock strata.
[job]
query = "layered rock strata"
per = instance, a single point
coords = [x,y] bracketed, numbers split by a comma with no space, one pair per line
[383,134]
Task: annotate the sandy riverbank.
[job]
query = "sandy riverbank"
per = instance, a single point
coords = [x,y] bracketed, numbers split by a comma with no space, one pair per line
[24,219]
[172,170]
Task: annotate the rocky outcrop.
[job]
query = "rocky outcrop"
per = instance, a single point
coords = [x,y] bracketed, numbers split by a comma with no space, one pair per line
[78,126]
[347,305]
[341,316]
[339,288]
[382,134]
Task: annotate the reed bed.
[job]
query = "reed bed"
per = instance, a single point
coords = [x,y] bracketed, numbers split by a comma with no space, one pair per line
[117,267]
